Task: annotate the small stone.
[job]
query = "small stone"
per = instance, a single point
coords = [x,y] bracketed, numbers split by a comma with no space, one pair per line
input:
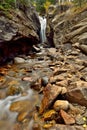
[61,104]
[68,120]
[18,60]
[44,81]
[27,79]
[36,48]
[49,124]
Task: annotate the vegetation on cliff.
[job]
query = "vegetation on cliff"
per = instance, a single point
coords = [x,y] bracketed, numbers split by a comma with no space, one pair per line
[41,5]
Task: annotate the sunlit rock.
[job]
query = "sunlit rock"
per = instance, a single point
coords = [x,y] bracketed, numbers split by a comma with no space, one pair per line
[68,120]
[61,104]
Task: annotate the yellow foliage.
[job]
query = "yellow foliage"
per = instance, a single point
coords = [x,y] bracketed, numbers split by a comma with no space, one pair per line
[47,4]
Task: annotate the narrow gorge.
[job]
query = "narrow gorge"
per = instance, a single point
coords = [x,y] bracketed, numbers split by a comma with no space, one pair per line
[43,67]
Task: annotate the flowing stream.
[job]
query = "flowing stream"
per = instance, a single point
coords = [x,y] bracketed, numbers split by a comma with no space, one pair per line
[18,110]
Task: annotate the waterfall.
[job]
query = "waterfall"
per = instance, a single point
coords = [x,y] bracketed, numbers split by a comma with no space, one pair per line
[43,29]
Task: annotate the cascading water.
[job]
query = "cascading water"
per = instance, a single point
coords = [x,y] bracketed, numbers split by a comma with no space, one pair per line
[43,29]
[8,118]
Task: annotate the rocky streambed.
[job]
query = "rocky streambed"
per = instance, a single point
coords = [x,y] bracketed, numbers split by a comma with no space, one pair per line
[45,90]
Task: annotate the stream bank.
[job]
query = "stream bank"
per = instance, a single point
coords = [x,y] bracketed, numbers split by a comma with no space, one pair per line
[29,90]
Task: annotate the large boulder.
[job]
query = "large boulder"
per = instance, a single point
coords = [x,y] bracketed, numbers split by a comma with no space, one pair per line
[19,30]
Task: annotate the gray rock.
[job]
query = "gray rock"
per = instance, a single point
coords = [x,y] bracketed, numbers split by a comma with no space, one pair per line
[78,95]
[18,31]
[44,81]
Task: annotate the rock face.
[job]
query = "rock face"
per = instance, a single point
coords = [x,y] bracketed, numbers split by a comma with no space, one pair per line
[19,30]
[67,27]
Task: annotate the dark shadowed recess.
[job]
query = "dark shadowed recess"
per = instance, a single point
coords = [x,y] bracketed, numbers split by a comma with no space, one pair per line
[8,50]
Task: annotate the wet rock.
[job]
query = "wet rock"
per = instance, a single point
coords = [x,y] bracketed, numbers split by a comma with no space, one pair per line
[20,106]
[18,60]
[22,116]
[49,115]
[50,94]
[68,120]
[44,81]
[36,86]
[13,90]
[61,104]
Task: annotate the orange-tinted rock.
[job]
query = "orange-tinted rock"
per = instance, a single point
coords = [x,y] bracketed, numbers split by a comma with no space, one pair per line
[50,93]
[20,106]
[68,120]
[49,115]
[22,116]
